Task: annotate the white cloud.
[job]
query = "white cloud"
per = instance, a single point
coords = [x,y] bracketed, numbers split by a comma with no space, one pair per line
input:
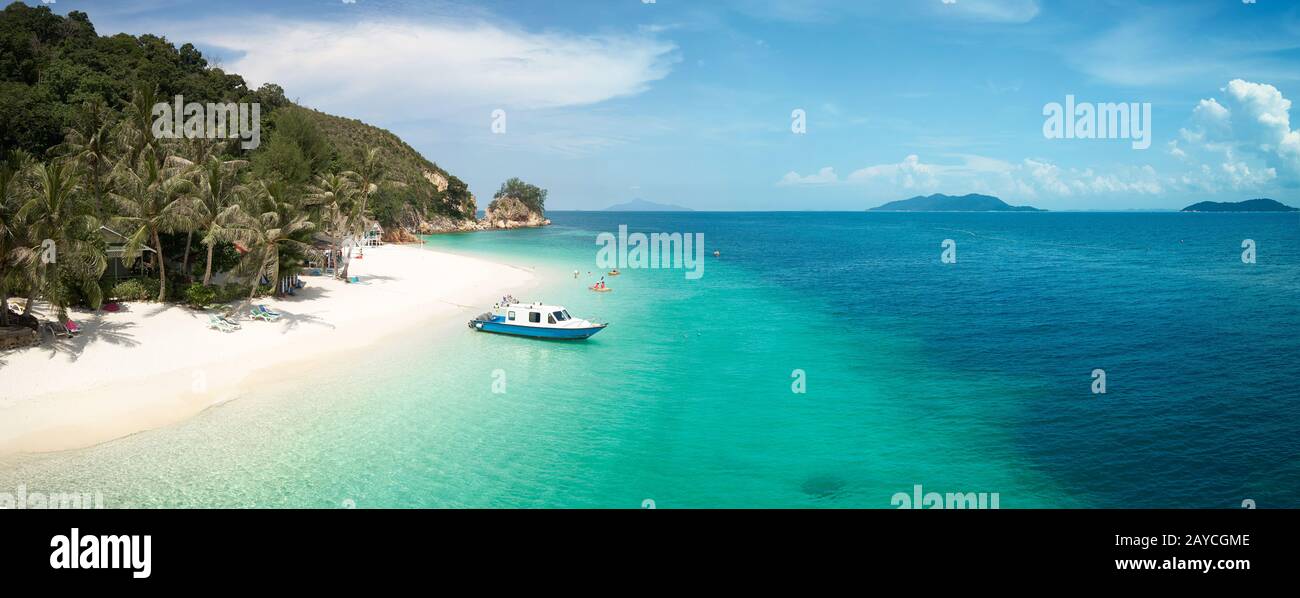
[412,70]
[1210,113]
[1251,124]
[1266,123]
[814,11]
[824,176]
[1030,178]
[996,11]
[909,174]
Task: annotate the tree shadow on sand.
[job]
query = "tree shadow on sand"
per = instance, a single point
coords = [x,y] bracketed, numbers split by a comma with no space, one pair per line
[372,278]
[93,330]
[289,321]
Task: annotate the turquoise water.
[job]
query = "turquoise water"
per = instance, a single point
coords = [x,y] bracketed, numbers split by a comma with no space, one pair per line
[965,377]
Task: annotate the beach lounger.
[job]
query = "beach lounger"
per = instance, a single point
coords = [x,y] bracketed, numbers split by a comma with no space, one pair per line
[57,329]
[270,312]
[261,315]
[219,323]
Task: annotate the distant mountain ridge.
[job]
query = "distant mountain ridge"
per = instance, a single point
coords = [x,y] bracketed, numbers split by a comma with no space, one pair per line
[938,202]
[1250,205]
[642,205]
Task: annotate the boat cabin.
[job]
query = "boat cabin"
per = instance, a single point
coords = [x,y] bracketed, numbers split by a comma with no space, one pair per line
[527,314]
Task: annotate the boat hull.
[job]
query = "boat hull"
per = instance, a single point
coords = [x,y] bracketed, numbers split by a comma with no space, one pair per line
[537,332]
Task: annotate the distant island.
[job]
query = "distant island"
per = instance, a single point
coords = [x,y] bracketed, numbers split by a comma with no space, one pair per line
[972,202]
[1250,205]
[641,205]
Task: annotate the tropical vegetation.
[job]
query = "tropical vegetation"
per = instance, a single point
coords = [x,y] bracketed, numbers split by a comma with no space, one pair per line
[84,181]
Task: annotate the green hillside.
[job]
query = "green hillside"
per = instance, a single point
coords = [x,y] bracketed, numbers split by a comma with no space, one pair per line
[351,137]
[58,74]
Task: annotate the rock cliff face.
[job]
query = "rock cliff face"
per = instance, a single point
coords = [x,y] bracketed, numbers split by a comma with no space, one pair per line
[398,235]
[445,224]
[509,212]
[503,214]
[438,180]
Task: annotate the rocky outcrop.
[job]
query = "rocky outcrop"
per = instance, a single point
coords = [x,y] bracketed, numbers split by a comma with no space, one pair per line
[503,214]
[445,224]
[437,179]
[398,235]
[508,212]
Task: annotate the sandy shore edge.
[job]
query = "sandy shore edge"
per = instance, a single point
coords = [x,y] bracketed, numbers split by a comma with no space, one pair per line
[155,365]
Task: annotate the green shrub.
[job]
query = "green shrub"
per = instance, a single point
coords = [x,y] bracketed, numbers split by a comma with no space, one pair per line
[197,295]
[150,285]
[230,292]
[135,289]
[131,290]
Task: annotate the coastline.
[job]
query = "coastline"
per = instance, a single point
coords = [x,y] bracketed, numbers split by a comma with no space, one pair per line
[155,365]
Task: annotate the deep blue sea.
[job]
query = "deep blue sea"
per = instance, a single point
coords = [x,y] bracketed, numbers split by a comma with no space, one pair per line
[973,376]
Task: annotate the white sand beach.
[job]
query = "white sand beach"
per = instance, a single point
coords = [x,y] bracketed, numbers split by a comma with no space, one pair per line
[152,364]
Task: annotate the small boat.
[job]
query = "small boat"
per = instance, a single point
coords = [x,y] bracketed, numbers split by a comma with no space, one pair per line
[614,272]
[599,289]
[535,321]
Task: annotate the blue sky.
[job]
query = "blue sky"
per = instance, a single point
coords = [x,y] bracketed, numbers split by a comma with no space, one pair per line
[690,102]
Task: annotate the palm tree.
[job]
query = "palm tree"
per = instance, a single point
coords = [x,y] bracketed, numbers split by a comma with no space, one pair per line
[370,176]
[56,214]
[194,153]
[136,133]
[212,204]
[17,257]
[92,144]
[334,197]
[149,201]
[267,224]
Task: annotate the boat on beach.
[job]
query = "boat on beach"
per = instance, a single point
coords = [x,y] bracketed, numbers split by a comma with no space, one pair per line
[535,321]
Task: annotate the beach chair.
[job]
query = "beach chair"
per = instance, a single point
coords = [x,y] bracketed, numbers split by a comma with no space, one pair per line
[257,314]
[57,329]
[268,311]
[216,322]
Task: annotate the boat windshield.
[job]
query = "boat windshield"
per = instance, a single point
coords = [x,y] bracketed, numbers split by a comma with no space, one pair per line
[561,315]
[566,314]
